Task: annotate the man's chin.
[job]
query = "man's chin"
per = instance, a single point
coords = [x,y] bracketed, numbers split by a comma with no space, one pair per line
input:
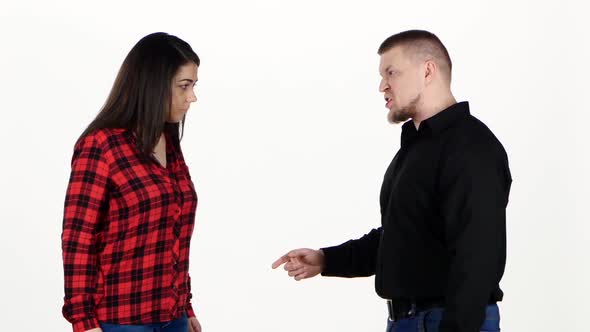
[399,116]
[393,118]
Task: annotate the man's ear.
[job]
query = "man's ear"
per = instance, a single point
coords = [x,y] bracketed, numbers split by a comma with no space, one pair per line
[430,69]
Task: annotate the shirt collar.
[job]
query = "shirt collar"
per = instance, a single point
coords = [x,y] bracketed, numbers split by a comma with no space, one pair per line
[435,124]
[445,118]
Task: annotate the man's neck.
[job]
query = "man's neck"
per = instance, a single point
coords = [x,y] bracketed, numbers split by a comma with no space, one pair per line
[433,108]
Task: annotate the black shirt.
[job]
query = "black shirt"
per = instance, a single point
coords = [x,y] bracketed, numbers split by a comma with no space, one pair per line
[443,220]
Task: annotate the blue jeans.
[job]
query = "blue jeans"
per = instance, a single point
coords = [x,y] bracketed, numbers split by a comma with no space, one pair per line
[179,325]
[429,320]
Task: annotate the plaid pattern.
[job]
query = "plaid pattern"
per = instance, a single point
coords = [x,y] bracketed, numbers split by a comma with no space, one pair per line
[126,234]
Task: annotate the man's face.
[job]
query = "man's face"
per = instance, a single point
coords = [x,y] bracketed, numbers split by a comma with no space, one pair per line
[402,83]
[183,94]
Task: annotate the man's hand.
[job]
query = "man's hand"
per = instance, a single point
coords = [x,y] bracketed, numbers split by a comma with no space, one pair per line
[194,325]
[302,263]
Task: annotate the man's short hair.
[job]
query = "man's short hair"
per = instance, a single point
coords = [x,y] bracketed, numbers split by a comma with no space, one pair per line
[420,43]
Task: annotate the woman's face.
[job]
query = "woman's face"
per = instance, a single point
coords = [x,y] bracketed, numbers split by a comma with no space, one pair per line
[183,93]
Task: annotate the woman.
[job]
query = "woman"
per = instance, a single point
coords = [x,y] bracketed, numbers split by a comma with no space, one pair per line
[130,203]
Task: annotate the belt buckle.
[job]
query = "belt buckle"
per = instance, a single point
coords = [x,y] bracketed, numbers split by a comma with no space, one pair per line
[392,317]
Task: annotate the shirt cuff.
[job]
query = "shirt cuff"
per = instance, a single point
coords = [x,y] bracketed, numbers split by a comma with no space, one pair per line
[189,311]
[333,261]
[85,324]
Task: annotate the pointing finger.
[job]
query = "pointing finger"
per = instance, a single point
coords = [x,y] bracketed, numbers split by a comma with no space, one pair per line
[284,259]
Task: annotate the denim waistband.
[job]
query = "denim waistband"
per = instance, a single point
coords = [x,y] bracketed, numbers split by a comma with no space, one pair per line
[491,322]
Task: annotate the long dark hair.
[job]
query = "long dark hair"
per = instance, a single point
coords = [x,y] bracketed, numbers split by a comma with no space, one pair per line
[140,97]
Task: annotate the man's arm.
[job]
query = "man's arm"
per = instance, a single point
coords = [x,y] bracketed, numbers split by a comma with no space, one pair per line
[474,191]
[355,258]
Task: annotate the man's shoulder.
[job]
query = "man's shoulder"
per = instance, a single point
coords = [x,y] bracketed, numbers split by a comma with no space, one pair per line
[473,136]
[475,130]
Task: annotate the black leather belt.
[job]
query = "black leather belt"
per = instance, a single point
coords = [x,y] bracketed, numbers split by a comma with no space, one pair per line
[407,309]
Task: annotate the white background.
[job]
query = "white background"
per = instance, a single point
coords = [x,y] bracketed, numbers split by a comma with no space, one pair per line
[289,141]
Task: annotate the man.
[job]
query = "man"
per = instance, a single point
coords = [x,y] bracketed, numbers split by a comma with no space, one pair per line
[441,247]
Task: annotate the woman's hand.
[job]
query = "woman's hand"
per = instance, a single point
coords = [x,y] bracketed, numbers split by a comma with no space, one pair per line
[194,325]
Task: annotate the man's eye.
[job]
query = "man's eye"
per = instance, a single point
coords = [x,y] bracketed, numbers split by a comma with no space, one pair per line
[184,87]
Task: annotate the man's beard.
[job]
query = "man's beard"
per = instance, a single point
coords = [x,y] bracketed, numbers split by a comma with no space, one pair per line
[405,113]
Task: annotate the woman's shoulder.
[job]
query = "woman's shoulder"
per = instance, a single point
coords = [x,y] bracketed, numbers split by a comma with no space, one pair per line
[103,137]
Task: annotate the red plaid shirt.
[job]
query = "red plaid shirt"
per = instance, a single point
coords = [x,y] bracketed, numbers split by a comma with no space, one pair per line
[127,227]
